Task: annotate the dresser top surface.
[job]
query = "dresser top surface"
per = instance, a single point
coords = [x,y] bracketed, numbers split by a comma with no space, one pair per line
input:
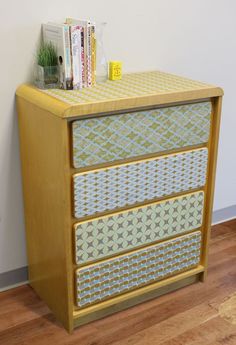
[135,90]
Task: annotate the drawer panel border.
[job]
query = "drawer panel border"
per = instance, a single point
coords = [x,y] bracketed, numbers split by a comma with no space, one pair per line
[101,281]
[114,234]
[124,185]
[143,294]
[112,137]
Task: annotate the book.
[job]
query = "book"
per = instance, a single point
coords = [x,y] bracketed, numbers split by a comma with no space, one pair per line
[76,56]
[59,35]
[89,54]
[86,25]
[82,56]
[94,48]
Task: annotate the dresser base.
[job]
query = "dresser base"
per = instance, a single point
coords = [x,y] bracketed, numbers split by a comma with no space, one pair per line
[139,296]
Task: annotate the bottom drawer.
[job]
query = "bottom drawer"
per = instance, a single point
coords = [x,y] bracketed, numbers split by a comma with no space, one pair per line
[124,273]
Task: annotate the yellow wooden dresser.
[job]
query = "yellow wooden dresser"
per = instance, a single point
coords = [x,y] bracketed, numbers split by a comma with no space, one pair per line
[118,189]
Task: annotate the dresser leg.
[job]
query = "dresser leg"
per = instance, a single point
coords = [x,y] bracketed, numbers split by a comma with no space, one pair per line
[203,276]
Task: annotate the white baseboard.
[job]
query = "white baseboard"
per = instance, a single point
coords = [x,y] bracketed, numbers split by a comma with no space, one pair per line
[224,214]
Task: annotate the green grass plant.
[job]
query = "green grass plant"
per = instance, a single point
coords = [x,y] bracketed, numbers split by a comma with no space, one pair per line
[47,55]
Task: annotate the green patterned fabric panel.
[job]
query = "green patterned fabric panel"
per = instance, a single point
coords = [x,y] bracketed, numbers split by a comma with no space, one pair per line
[124,231]
[115,137]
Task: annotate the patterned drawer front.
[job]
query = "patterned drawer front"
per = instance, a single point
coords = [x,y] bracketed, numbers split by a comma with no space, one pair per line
[110,138]
[118,186]
[104,280]
[109,235]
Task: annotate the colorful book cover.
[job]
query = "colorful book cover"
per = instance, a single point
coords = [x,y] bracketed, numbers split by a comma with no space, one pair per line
[86,24]
[89,55]
[76,56]
[67,61]
[82,57]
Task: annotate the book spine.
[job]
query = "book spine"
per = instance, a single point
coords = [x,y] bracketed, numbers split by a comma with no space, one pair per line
[93,39]
[82,57]
[67,59]
[76,56]
[89,55]
[85,57]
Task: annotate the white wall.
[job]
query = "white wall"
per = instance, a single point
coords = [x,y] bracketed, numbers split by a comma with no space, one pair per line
[188,37]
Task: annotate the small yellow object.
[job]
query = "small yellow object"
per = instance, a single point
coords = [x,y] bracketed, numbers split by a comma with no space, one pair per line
[115,70]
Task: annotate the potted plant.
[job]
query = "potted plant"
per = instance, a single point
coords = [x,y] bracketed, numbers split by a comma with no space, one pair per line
[47,69]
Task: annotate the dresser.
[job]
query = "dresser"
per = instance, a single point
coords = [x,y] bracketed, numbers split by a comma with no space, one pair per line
[118,185]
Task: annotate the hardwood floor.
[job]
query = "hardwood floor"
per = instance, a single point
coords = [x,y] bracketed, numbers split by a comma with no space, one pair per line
[200,314]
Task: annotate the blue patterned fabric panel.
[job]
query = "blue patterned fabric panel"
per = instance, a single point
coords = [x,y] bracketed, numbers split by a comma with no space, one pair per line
[110,138]
[119,186]
[120,232]
[98,282]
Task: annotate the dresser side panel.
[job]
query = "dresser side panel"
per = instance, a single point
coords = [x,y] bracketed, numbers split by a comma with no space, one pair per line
[210,181]
[46,188]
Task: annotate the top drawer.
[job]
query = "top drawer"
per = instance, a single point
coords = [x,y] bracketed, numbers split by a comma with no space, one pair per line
[115,137]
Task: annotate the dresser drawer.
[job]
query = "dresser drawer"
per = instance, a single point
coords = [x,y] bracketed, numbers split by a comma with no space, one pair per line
[123,231]
[115,137]
[104,280]
[122,185]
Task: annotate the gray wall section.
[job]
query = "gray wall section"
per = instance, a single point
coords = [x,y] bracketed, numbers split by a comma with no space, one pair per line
[20,275]
[14,277]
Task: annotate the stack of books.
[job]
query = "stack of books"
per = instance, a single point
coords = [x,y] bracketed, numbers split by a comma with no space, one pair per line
[75,41]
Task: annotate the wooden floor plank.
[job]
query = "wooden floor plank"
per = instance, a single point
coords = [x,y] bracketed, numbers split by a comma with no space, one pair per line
[206,333]
[222,231]
[172,327]
[187,316]
[20,305]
